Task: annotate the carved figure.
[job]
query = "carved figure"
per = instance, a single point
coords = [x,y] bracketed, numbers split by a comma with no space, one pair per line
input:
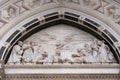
[6,14]
[82,53]
[42,58]
[28,52]
[85,51]
[87,48]
[114,13]
[57,57]
[16,53]
[50,59]
[88,57]
[35,46]
[103,52]
[93,55]
[95,47]
[9,13]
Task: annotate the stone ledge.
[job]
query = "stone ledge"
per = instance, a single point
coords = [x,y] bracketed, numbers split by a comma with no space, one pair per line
[97,65]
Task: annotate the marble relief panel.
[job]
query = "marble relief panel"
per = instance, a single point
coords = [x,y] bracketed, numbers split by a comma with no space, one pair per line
[61,44]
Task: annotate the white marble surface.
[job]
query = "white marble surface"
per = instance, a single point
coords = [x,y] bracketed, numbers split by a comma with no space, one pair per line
[62,70]
[72,38]
[61,44]
[61,33]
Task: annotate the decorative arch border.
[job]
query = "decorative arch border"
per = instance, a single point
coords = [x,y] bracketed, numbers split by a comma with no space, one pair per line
[60,17]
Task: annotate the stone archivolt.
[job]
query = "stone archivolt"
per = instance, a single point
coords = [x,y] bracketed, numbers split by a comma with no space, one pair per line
[16,9]
[110,9]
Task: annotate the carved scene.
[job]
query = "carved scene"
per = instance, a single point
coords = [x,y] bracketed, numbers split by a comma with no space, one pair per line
[9,13]
[61,44]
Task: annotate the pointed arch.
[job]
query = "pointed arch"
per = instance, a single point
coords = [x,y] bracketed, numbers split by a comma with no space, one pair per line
[55,18]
